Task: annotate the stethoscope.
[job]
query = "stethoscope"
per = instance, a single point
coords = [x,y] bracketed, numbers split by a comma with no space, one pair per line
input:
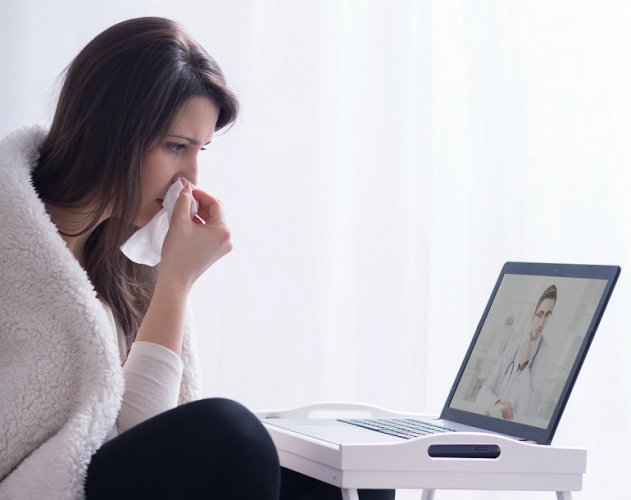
[511,365]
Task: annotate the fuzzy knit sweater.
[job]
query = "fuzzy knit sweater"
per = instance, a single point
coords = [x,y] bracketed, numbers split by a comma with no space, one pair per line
[61,381]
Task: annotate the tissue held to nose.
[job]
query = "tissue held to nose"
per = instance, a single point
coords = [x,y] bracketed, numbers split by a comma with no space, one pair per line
[145,245]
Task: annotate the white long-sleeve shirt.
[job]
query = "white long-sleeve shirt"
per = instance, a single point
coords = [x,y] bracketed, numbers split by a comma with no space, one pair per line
[152,373]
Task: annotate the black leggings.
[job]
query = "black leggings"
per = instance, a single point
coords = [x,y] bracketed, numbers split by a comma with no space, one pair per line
[210,449]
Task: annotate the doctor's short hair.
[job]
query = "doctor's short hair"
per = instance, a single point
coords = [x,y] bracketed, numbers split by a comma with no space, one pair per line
[548,293]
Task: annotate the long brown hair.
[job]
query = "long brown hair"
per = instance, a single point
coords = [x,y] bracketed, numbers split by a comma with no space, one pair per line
[119,98]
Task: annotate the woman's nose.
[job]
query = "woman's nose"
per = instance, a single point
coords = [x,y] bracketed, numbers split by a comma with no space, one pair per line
[190,172]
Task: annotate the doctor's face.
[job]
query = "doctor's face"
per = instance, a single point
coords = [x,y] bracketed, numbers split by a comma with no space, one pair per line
[540,318]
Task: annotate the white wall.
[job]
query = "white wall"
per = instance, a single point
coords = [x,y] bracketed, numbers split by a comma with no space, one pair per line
[390,157]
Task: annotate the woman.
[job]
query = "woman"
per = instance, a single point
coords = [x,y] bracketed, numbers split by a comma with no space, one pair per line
[96,351]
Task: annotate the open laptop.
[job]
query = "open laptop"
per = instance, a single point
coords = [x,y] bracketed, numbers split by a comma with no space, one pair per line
[520,368]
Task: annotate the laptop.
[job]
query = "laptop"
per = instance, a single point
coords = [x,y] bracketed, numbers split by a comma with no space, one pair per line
[519,370]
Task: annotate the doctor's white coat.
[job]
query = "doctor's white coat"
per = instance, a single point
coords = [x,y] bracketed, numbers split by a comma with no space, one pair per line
[505,383]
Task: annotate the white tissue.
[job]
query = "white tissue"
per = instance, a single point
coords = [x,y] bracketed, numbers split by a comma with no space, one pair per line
[145,245]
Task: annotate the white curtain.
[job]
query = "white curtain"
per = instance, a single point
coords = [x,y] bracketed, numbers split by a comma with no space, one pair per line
[389,158]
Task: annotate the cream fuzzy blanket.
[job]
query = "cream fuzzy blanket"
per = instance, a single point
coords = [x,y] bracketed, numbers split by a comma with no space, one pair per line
[61,383]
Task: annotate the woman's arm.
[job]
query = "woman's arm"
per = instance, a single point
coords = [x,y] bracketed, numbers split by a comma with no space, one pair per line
[190,248]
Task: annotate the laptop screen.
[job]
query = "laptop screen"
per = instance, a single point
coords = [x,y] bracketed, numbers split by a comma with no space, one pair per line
[531,341]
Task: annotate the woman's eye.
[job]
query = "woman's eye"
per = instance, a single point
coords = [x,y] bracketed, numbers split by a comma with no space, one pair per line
[176,147]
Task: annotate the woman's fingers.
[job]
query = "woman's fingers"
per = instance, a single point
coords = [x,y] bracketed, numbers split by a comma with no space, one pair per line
[191,246]
[210,208]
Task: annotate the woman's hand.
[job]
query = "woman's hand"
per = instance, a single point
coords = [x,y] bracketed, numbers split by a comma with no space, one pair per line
[192,246]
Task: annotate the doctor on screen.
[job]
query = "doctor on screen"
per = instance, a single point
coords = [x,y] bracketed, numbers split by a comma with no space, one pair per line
[511,383]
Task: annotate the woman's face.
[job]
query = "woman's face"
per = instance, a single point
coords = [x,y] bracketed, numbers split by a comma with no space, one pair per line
[176,155]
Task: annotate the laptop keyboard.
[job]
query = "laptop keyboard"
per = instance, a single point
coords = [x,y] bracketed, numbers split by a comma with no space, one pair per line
[406,428]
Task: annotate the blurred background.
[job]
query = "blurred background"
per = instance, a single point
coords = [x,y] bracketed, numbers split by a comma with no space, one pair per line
[389,158]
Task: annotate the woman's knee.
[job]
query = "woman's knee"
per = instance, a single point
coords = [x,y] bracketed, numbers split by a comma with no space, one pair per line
[228,429]
[235,423]
[213,445]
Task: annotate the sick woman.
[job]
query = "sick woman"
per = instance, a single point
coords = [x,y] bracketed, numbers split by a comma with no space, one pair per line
[99,380]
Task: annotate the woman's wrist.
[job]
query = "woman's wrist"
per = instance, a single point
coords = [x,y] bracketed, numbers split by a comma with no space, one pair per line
[173,282]
[164,321]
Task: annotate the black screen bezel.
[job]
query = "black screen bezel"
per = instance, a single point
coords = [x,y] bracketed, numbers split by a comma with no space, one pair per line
[527,432]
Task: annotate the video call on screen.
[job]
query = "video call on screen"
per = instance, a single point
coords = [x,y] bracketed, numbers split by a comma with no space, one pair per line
[527,347]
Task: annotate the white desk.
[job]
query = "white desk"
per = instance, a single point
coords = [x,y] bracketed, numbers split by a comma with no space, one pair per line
[520,467]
